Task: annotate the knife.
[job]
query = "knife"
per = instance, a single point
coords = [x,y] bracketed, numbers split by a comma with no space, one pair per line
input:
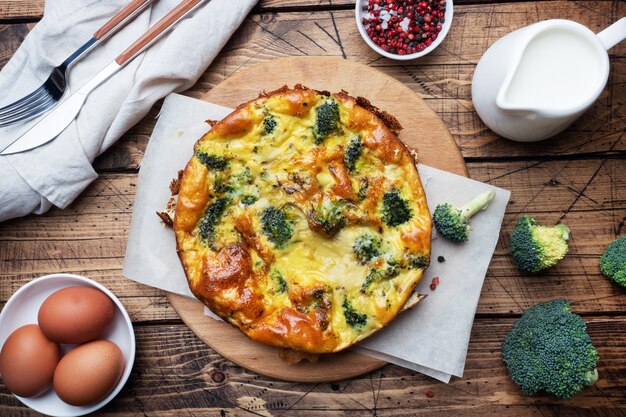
[60,118]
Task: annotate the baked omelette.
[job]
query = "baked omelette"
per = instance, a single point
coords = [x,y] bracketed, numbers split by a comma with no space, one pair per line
[301,220]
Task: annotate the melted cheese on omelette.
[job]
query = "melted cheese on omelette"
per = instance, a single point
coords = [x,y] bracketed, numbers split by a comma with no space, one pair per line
[302,221]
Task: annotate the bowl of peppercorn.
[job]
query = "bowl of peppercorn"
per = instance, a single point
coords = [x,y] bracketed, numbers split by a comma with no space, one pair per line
[403,29]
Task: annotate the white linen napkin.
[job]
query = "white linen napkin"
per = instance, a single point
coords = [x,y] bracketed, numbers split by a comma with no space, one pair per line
[432,338]
[56,173]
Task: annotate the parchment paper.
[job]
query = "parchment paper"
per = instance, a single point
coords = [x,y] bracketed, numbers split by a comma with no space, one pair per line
[432,338]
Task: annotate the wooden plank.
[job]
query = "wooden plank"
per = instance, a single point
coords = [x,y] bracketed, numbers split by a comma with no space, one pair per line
[175,373]
[21,9]
[89,237]
[443,78]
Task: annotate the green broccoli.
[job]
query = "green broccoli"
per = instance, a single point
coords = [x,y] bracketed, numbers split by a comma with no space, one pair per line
[328,218]
[613,262]
[353,153]
[212,162]
[415,261]
[367,247]
[454,223]
[326,120]
[391,271]
[249,199]
[536,247]
[548,349]
[279,280]
[353,318]
[363,186]
[269,124]
[210,220]
[276,226]
[396,210]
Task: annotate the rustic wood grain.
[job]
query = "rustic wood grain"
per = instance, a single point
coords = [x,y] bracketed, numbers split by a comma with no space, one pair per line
[577,178]
[90,237]
[442,78]
[176,374]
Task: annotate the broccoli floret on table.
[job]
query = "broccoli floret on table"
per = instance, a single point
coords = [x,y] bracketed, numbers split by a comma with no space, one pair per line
[276,226]
[536,247]
[548,349]
[613,262]
[396,210]
[454,223]
[326,120]
[367,247]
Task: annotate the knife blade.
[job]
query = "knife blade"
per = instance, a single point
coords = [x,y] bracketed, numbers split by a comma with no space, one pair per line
[60,118]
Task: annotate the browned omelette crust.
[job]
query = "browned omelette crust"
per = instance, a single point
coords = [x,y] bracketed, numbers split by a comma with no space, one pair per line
[322,290]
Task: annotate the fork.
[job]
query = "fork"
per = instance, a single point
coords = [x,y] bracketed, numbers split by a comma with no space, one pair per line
[50,92]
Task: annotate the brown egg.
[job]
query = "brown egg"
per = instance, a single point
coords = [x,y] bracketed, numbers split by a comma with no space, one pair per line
[89,372]
[76,315]
[28,360]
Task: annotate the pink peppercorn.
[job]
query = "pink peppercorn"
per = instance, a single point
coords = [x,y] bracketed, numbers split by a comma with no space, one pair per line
[409,26]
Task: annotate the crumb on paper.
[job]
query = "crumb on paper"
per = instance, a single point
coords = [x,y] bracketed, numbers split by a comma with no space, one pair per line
[412,301]
[180,132]
[175,183]
[434,283]
[211,122]
[167,215]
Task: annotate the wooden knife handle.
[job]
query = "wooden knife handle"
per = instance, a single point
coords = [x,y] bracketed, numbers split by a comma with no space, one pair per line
[156,30]
[128,10]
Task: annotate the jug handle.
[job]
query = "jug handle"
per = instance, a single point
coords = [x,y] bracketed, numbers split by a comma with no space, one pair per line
[614,34]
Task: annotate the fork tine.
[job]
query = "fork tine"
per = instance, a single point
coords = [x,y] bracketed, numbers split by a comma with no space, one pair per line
[35,103]
[25,102]
[30,113]
[25,108]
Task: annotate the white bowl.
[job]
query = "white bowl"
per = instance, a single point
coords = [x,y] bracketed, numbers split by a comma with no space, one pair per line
[361,8]
[22,308]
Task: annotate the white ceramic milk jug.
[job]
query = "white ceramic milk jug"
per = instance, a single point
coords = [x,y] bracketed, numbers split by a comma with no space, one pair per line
[534,82]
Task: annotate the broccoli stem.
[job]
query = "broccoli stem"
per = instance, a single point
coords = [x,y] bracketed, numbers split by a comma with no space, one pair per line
[592,376]
[478,203]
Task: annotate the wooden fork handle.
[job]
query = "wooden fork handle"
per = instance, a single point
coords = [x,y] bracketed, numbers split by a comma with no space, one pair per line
[157,30]
[128,11]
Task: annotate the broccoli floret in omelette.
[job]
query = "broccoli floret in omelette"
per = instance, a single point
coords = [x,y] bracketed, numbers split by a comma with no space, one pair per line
[326,120]
[269,124]
[328,218]
[212,162]
[367,247]
[416,261]
[211,219]
[278,281]
[376,275]
[276,226]
[248,199]
[396,210]
[353,153]
[353,318]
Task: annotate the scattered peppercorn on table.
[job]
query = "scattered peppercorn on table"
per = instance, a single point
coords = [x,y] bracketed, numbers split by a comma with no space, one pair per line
[578,178]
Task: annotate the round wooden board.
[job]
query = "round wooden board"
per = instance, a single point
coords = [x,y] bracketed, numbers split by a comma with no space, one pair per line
[423,130]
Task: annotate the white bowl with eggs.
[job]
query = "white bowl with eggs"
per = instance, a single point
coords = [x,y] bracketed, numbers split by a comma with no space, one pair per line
[22,309]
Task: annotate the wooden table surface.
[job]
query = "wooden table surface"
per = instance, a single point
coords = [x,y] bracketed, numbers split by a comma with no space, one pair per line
[578,178]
